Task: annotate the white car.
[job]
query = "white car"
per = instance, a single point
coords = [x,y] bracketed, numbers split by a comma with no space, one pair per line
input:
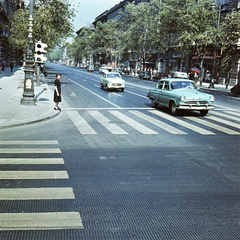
[112,80]
[105,69]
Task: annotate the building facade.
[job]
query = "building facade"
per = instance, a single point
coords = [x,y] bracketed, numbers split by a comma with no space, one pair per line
[7,8]
[176,60]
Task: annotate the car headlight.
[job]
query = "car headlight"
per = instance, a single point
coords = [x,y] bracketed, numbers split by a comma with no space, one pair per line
[212,99]
[182,98]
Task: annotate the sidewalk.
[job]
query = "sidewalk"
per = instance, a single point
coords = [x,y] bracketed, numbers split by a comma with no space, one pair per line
[15,114]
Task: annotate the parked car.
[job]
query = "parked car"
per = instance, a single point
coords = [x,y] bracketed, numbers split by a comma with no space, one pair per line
[105,69]
[144,75]
[236,89]
[112,80]
[90,68]
[180,94]
[159,76]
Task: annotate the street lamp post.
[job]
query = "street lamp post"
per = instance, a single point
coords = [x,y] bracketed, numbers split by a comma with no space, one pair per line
[28,90]
[215,50]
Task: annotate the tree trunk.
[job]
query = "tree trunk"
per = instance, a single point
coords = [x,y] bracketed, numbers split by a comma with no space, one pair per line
[228,79]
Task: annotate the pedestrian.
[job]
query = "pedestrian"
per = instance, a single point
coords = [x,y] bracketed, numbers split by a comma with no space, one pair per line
[195,78]
[0,66]
[11,65]
[57,92]
[3,65]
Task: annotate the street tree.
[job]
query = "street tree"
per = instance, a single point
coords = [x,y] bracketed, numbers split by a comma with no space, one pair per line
[136,26]
[55,55]
[52,23]
[230,35]
[82,46]
[184,25]
[106,39]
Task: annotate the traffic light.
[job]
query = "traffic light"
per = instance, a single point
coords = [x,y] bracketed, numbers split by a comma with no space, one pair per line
[39,49]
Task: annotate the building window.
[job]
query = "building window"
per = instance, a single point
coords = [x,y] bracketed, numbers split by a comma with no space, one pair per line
[222,2]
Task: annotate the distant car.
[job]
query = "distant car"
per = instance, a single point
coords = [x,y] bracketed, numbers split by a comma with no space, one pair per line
[180,94]
[112,80]
[90,68]
[126,70]
[180,75]
[159,76]
[118,70]
[105,69]
[144,75]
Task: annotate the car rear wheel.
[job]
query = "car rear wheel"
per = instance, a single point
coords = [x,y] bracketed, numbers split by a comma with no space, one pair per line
[204,112]
[173,108]
[154,103]
[101,86]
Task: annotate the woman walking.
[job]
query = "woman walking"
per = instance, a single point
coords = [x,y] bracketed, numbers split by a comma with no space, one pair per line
[57,92]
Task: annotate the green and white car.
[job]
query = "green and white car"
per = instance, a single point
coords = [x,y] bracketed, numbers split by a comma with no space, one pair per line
[112,80]
[180,94]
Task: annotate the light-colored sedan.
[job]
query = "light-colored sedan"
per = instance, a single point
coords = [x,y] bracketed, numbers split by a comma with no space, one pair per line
[180,94]
[112,80]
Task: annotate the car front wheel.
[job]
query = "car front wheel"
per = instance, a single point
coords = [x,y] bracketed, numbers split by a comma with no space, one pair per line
[122,89]
[154,103]
[204,112]
[173,108]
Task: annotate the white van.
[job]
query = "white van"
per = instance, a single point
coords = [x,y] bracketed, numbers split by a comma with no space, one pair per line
[180,75]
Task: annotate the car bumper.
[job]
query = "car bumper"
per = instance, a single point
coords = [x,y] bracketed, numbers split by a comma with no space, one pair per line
[184,107]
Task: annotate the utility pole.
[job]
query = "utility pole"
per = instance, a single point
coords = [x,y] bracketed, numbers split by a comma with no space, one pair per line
[28,90]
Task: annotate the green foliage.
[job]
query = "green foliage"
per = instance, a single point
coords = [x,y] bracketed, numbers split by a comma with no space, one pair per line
[51,23]
[105,38]
[81,46]
[55,54]
[230,35]
[136,27]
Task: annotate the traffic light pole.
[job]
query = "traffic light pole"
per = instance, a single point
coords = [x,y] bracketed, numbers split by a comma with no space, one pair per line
[28,91]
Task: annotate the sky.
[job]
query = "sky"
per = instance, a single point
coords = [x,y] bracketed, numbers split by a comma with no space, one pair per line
[88,10]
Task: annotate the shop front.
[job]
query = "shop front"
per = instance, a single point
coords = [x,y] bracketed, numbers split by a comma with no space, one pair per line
[208,62]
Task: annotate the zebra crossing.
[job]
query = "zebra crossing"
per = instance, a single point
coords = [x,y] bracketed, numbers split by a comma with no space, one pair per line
[145,122]
[14,221]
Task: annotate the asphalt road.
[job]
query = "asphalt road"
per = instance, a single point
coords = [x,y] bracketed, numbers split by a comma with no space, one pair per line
[112,167]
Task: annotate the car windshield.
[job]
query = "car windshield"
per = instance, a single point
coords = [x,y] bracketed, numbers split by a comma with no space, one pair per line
[113,75]
[182,85]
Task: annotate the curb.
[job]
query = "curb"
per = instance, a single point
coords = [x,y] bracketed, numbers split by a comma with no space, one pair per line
[28,122]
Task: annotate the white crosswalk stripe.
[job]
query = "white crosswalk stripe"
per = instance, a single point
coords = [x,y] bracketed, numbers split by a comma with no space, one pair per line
[36,193]
[113,128]
[134,124]
[182,123]
[82,126]
[40,221]
[158,123]
[142,122]
[213,125]
[228,116]
[35,220]
[32,161]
